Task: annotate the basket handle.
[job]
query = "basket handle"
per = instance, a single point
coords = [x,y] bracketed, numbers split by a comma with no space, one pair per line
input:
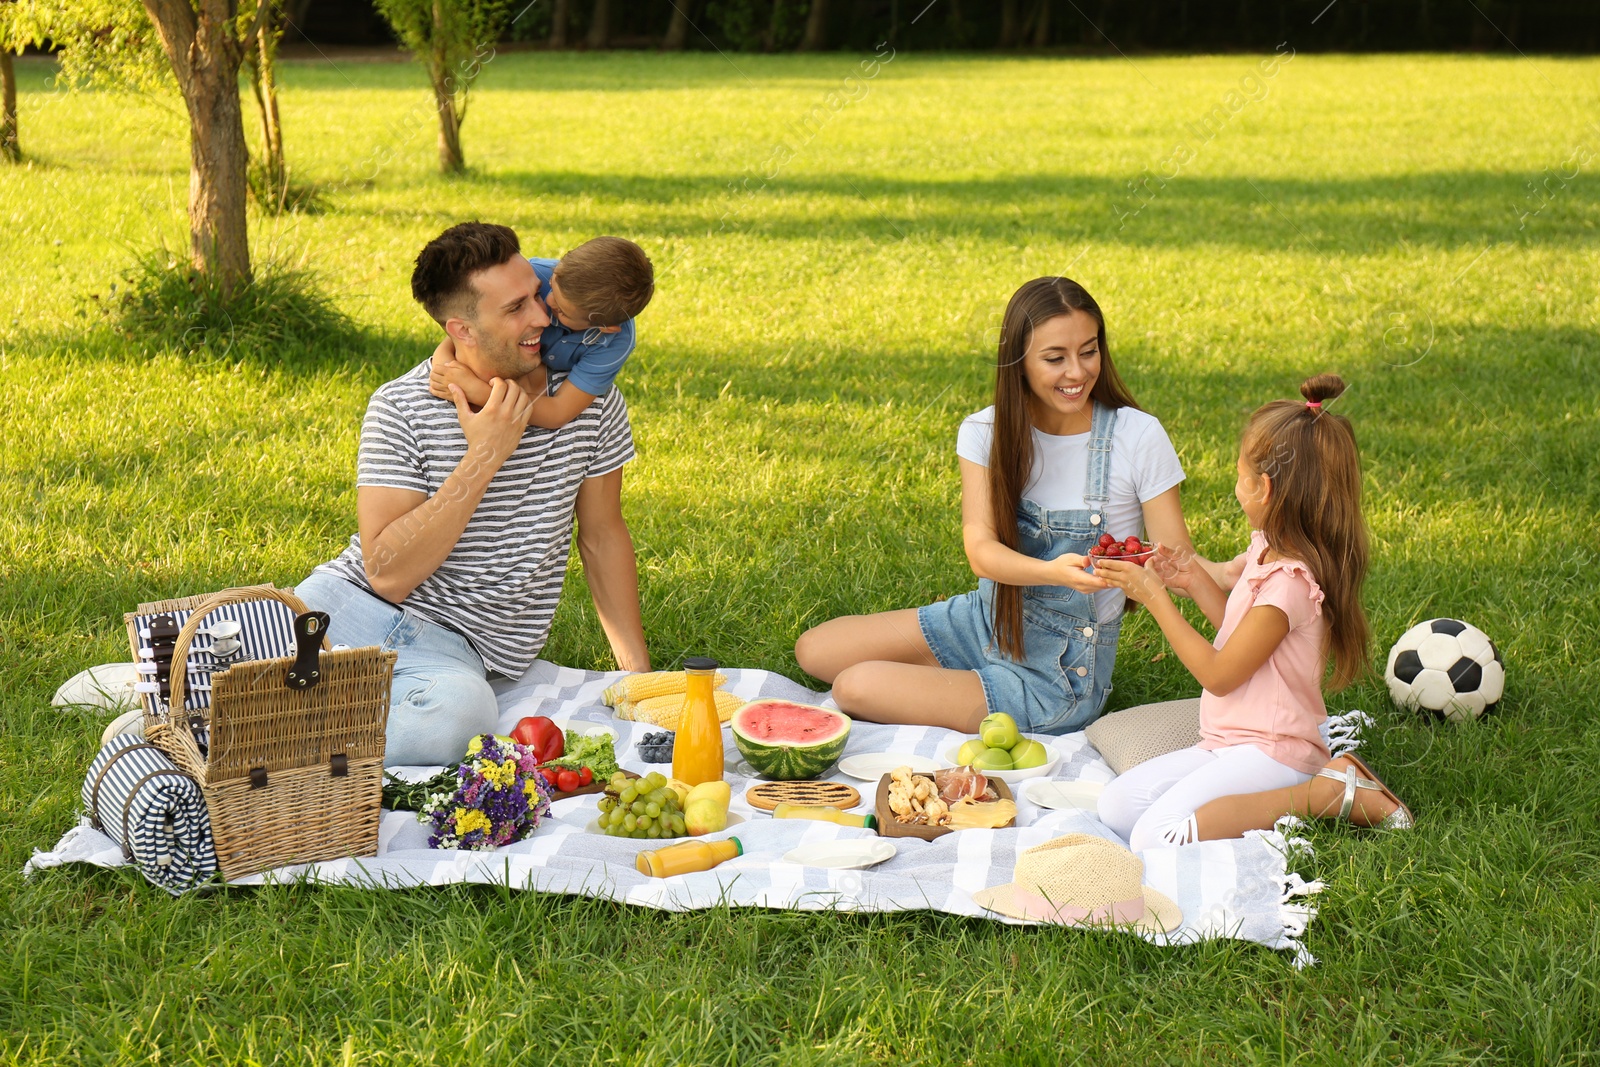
[191,626]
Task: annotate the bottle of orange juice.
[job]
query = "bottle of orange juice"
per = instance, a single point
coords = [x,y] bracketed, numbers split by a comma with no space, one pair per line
[688,856]
[697,750]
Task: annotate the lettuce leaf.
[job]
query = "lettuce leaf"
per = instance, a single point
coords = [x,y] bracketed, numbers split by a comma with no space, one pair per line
[594,751]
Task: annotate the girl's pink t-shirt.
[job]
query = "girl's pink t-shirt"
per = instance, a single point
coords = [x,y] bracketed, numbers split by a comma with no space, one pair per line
[1280,707]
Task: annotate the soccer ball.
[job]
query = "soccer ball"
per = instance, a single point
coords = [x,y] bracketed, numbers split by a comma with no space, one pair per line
[1446,667]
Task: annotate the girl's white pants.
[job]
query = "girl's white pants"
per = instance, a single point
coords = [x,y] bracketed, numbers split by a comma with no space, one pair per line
[1154,803]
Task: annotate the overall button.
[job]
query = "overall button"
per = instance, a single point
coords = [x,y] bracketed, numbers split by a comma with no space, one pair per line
[1095,518]
[1082,671]
[1088,631]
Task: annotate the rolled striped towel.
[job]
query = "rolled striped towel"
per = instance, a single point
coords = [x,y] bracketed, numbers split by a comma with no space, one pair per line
[141,800]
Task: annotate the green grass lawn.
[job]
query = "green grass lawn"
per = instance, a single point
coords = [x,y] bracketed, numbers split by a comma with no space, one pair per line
[819,332]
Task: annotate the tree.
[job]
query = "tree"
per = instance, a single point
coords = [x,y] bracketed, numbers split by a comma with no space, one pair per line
[678,28]
[273,172]
[197,45]
[450,38]
[205,42]
[816,36]
[559,21]
[599,25]
[10,142]
[19,27]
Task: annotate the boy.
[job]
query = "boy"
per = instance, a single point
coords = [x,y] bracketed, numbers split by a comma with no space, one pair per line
[592,294]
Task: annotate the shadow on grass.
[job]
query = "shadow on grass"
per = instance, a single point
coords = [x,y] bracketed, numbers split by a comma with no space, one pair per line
[1443,209]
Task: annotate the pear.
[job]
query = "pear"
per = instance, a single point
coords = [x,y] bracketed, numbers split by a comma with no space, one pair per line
[705,809]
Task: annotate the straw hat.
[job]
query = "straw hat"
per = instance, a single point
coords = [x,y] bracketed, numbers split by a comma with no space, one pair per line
[1081,880]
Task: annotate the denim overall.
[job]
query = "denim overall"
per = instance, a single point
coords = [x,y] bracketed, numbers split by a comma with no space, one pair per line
[1063,682]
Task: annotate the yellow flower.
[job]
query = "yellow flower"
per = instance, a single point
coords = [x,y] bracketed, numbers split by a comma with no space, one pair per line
[500,775]
[469,820]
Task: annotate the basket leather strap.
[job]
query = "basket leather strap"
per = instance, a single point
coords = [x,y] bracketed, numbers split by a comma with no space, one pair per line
[94,793]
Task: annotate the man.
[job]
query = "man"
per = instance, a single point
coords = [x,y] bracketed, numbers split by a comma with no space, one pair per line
[466,516]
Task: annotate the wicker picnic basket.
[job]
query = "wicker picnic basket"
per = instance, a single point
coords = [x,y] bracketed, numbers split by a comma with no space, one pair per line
[289,775]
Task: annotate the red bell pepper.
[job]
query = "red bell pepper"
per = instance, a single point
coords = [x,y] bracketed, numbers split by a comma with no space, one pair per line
[541,735]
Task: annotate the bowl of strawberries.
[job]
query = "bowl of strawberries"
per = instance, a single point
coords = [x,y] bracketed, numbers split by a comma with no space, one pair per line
[1130,550]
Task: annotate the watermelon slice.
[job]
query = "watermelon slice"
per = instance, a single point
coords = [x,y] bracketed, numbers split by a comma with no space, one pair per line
[788,741]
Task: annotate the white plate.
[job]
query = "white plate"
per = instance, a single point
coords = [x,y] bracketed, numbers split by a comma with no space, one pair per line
[593,827]
[1065,795]
[842,855]
[1013,777]
[871,766]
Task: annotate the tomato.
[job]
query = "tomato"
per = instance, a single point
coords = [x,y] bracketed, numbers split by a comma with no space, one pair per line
[541,735]
[552,775]
[585,776]
[567,781]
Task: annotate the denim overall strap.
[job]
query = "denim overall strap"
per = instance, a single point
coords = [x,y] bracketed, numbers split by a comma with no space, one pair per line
[1097,494]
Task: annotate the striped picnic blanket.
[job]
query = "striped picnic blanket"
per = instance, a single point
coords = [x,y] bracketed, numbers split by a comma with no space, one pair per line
[152,811]
[1240,889]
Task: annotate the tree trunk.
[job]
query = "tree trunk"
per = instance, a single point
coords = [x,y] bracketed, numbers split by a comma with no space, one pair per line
[558,23]
[1010,32]
[201,40]
[264,80]
[10,144]
[769,39]
[451,161]
[816,38]
[599,25]
[678,28]
[1041,27]
[218,161]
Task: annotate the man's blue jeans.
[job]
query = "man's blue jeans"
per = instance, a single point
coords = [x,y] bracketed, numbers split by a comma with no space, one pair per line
[441,698]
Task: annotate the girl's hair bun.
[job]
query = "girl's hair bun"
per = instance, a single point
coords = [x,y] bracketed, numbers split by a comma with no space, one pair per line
[1322,387]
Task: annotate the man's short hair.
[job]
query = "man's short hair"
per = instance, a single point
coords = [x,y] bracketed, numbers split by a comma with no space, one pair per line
[607,280]
[441,281]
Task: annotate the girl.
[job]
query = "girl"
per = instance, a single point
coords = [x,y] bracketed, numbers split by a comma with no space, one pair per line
[1063,456]
[1296,604]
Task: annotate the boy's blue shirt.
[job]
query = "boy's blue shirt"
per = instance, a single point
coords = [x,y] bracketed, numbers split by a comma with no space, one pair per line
[591,367]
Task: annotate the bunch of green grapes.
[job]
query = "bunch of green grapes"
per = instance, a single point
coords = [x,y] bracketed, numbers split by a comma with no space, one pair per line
[641,807]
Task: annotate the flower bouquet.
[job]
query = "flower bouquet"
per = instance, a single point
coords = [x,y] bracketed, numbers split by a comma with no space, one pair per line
[494,798]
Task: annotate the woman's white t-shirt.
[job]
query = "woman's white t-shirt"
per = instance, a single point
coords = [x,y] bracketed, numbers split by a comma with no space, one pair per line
[1143,466]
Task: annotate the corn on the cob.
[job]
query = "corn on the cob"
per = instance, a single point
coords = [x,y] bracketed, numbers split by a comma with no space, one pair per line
[665,710]
[637,687]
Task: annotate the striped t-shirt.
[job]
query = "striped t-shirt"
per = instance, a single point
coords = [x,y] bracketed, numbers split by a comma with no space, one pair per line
[500,584]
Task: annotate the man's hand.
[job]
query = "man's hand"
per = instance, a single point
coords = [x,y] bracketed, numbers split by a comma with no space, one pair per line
[493,432]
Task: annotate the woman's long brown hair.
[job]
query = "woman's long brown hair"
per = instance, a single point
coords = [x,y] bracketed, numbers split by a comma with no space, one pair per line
[1011,455]
[1313,510]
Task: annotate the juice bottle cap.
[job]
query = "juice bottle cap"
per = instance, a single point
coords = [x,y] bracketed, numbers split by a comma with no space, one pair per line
[699,663]
[738,846]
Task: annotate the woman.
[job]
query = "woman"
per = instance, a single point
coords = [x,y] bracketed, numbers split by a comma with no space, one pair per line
[1063,457]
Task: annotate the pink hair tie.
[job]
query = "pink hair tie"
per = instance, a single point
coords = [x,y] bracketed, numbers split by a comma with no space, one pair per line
[1314,405]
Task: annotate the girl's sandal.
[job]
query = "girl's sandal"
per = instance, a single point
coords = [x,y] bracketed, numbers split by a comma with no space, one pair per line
[1359,776]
